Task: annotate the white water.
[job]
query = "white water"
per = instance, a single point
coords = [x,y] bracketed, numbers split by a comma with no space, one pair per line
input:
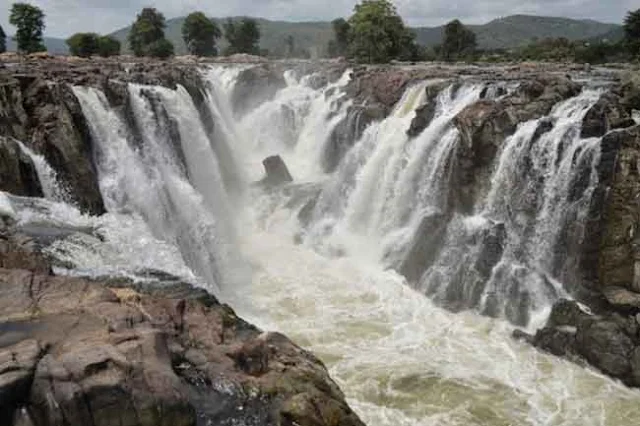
[51,187]
[400,359]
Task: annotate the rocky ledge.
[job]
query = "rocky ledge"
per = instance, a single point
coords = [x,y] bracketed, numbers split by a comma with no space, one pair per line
[110,352]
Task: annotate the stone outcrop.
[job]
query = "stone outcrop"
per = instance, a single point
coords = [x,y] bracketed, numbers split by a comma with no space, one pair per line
[256,85]
[608,341]
[276,171]
[18,174]
[606,115]
[486,124]
[109,351]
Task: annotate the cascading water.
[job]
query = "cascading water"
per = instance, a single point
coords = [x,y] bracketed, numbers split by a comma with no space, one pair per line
[169,179]
[173,184]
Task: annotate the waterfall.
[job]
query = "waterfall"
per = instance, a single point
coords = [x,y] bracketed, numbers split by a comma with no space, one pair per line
[51,187]
[169,175]
[383,244]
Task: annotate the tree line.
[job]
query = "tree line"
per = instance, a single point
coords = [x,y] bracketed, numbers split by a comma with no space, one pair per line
[374,33]
[146,37]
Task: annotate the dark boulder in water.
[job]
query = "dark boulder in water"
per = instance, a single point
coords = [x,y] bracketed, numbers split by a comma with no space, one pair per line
[277,172]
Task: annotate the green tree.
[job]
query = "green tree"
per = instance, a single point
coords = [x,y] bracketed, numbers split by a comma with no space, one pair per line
[29,21]
[147,35]
[108,46]
[377,33]
[3,40]
[83,44]
[200,34]
[243,36]
[339,46]
[290,46]
[632,32]
[459,41]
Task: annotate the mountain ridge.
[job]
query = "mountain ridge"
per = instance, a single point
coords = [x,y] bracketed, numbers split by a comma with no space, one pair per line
[500,33]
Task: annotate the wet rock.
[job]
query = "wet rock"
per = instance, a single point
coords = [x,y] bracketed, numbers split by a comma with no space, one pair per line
[277,172]
[347,132]
[18,174]
[256,85]
[616,252]
[426,112]
[622,298]
[486,124]
[115,356]
[606,115]
[423,249]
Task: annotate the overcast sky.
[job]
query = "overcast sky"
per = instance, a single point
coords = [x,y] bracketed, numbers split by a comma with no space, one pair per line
[65,17]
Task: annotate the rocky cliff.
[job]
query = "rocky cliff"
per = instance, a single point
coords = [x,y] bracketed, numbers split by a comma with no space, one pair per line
[76,351]
[179,344]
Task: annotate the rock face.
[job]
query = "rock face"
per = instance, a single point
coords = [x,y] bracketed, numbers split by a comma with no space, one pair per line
[485,125]
[255,85]
[608,341]
[18,174]
[79,352]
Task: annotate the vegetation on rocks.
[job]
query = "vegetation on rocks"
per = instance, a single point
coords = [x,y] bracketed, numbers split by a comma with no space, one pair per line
[29,21]
[200,34]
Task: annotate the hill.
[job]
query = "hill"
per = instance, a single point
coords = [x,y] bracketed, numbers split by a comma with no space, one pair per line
[518,30]
[312,36]
[55,46]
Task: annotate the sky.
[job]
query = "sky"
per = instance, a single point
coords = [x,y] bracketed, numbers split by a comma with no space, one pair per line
[65,17]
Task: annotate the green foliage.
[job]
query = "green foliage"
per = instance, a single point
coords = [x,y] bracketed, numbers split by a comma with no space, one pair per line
[377,33]
[200,34]
[29,21]
[632,32]
[147,35]
[339,46]
[108,46]
[459,41]
[3,40]
[83,44]
[243,36]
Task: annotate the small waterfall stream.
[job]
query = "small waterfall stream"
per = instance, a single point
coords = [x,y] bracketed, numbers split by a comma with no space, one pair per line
[176,177]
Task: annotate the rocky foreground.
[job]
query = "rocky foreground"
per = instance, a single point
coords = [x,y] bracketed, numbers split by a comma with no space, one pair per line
[80,352]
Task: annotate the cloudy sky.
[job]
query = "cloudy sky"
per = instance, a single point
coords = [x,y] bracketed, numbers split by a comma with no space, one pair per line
[65,17]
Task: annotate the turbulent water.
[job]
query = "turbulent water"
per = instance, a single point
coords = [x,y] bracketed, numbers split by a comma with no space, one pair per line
[179,199]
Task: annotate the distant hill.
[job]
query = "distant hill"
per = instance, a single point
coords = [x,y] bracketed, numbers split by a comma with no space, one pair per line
[512,31]
[312,36]
[55,46]
[508,32]
[518,30]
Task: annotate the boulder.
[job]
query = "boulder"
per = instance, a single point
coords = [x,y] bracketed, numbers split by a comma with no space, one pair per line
[87,353]
[18,174]
[606,115]
[277,172]
[256,85]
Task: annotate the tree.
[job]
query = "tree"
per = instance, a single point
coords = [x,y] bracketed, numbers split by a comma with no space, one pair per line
[3,40]
[377,33]
[243,36]
[340,45]
[108,46]
[83,44]
[29,21]
[200,34]
[632,32]
[459,41]
[290,46]
[147,35]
